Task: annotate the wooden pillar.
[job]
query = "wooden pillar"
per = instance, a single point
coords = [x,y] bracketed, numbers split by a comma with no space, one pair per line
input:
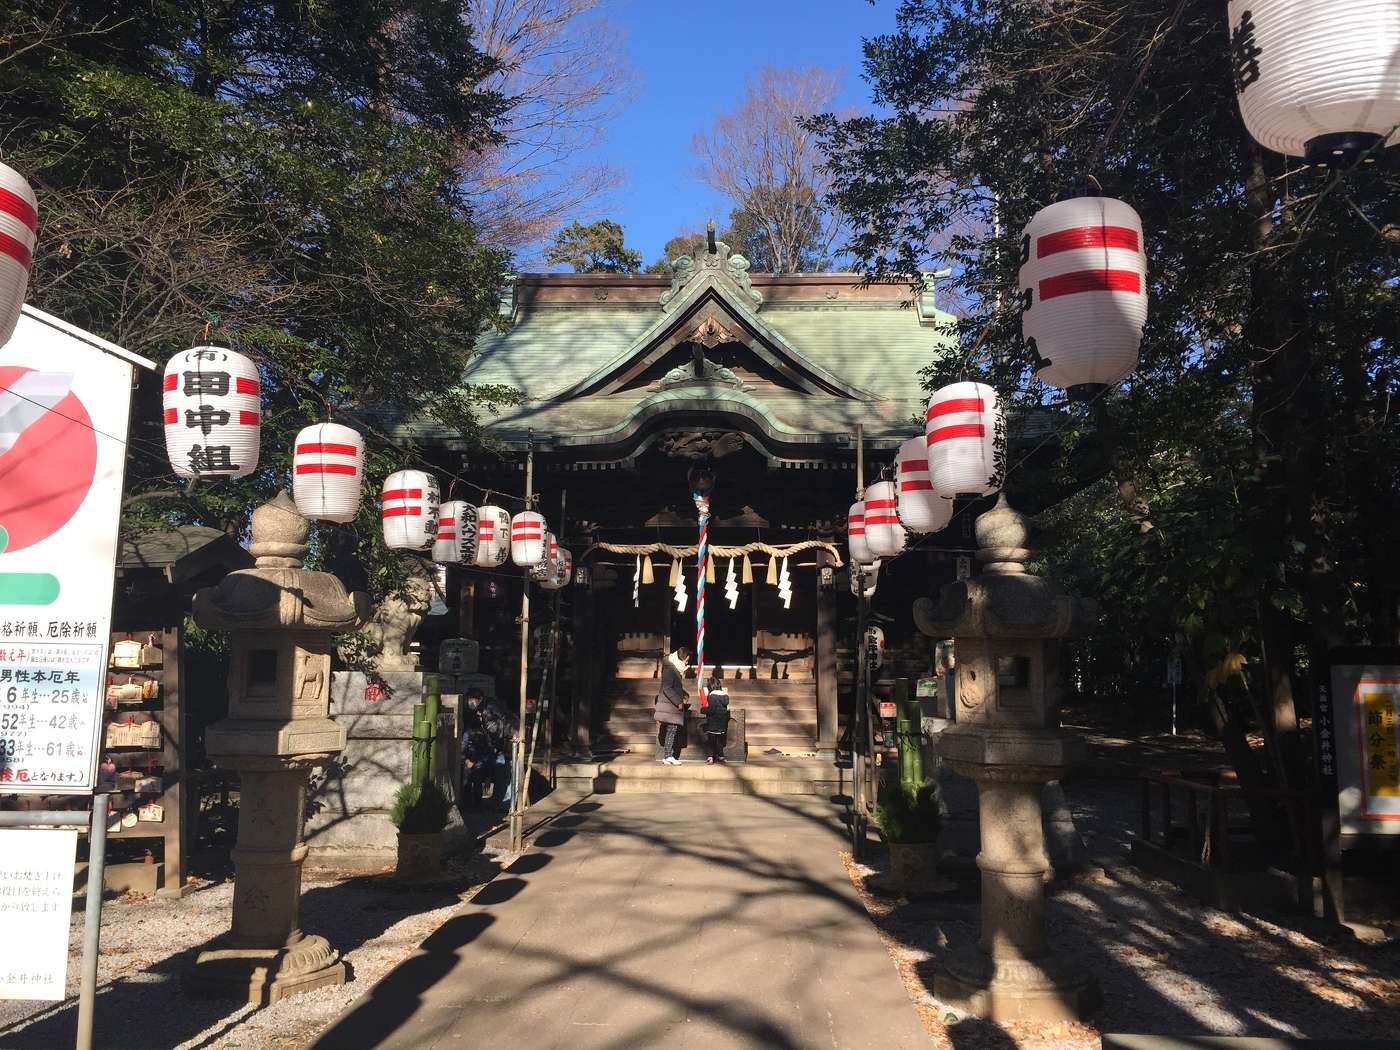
[585,658]
[826,663]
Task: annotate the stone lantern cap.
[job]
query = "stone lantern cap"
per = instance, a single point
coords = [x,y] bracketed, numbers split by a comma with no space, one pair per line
[1005,601]
[277,593]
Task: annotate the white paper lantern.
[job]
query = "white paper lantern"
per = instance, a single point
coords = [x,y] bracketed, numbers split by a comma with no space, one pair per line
[492,537]
[410,510]
[19,229]
[919,507]
[527,539]
[857,543]
[213,413]
[456,541]
[872,576]
[966,433]
[328,465]
[561,570]
[544,568]
[884,535]
[1317,78]
[1083,291]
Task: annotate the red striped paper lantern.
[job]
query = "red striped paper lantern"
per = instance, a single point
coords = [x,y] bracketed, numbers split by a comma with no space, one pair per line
[527,539]
[919,507]
[328,465]
[561,570]
[884,535]
[492,537]
[857,543]
[410,510]
[19,229]
[456,542]
[966,434]
[544,568]
[213,413]
[1083,291]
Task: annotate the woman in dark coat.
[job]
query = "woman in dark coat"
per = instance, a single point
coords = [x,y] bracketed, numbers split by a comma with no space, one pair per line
[671,702]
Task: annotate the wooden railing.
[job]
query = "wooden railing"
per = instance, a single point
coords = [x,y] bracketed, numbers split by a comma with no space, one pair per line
[1207,795]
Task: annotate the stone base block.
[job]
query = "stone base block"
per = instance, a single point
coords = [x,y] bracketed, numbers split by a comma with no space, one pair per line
[1046,989]
[263,976]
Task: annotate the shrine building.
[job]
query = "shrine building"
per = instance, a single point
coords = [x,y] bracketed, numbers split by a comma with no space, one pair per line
[629,382]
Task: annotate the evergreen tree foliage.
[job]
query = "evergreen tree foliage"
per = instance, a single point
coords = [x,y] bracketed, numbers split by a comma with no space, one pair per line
[1238,496]
[596,248]
[285,175]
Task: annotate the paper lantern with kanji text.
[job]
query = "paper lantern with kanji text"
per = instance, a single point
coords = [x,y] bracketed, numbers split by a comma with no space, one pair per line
[544,568]
[561,570]
[872,577]
[1318,79]
[1083,292]
[456,533]
[213,413]
[19,228]
[884,535]
[410,510]
[328,465]
[492,537]
[919,507]
[966,434]
[528,539]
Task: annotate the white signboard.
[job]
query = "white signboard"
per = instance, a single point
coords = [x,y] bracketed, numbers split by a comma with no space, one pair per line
[64,402]
[1364,737]
[36,902]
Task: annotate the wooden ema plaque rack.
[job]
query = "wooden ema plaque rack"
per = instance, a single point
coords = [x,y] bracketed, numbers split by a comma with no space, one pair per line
[143,740]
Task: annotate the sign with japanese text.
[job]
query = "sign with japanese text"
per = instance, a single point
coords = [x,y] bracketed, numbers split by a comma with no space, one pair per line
[36,903]
[64,403]
[1365,742]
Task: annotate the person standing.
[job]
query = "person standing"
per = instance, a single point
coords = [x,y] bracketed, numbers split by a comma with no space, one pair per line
[716,719]
[671,703]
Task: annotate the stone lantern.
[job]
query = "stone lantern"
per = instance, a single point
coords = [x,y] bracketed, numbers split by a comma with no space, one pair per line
[280,619]
[1007,625]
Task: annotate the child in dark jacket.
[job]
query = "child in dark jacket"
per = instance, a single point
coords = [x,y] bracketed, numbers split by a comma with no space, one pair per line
[716,721]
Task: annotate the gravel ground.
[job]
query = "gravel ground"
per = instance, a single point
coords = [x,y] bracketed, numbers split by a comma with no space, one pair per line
[1167,964]
[147,943]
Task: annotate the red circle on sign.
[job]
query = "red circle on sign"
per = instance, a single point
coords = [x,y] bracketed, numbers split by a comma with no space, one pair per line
[45,475]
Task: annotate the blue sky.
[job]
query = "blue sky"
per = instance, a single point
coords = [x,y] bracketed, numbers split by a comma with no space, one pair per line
[693,60]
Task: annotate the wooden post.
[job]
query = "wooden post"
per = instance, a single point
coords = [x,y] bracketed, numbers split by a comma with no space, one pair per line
[826,664]
[585,642]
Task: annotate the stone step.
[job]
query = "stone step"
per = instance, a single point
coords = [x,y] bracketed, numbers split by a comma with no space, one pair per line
[756,723]
[805,706]
[763,775]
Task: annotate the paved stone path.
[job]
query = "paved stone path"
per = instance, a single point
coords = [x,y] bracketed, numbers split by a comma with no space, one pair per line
[677,921]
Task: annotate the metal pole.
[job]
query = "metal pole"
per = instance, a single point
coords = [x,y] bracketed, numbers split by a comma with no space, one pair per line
[520,783]
[92,918]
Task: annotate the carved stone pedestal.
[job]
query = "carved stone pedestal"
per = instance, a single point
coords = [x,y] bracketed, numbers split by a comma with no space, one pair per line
[1012,974]
[280,619]
[1006,625]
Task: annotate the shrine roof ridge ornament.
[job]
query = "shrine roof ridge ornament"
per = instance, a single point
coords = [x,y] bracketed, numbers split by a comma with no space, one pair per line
[713,263]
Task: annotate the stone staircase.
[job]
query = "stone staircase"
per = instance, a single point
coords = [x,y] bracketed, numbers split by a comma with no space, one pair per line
[781,713]
[640,773]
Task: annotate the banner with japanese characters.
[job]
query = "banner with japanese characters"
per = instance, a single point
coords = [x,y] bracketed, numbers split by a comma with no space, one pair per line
[64,403]
[36,904]
[1364,740]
